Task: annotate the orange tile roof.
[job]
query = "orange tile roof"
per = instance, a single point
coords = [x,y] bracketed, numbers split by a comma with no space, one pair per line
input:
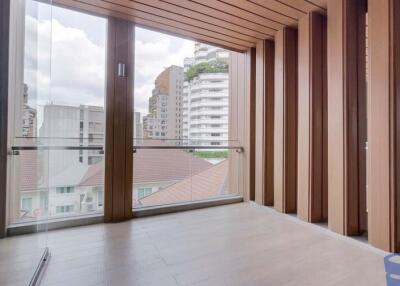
[153,165]
[206,184]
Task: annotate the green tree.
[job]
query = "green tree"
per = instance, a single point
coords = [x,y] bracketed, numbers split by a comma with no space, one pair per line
[214,67]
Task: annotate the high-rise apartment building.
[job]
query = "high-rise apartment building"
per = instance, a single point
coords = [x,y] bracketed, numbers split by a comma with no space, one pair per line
[164,120]
[137,126]
[29,116]
[206,97]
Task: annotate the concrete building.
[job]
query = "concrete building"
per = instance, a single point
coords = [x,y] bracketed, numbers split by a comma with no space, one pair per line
[164,120]
[206,98]
[137,125]
[29,116]
[83,125]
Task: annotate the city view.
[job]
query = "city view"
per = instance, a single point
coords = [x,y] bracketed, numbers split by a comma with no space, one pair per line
[188,105]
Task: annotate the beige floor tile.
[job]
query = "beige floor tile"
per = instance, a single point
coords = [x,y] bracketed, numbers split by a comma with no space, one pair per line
[233,245]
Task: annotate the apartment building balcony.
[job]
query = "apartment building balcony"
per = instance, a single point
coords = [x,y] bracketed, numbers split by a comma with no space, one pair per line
[207,86]
[207,121]
[209,103]
[204,94]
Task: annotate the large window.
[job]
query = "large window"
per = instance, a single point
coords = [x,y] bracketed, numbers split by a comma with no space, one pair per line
[58,112]
[58,120]
[181,100]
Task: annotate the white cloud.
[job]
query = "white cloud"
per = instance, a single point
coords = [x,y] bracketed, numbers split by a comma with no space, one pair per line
[78,67]
[77,74]
[153,53]
[62,64]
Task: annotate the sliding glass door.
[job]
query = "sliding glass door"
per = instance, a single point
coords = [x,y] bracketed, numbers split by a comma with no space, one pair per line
[30,88]
[57,119]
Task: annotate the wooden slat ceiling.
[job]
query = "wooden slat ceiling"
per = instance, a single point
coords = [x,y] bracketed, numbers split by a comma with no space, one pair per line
[233,24]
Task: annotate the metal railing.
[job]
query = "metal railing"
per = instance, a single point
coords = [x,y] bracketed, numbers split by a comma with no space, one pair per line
[238,149]
[15,149]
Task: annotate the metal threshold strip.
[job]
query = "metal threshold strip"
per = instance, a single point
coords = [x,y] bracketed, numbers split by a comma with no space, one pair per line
[38,274]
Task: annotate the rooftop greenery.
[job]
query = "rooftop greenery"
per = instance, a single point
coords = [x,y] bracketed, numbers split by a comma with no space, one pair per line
[214,67]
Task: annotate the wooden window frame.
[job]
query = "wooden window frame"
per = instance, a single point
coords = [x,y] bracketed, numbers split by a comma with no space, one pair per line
[119,121]
[4,58]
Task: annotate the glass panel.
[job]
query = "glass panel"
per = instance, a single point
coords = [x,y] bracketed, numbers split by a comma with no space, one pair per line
[30,66]
[57,83]
[178,175]
[60,111]
[156,172]
[181,99]
[182,92]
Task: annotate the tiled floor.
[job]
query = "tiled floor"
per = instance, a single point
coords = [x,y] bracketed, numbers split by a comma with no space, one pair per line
[239,244]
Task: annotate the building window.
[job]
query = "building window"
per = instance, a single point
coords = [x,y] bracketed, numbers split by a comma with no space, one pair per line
[64,209]
[215,134]
[64,190]
[94,160]
[143,192]
[100,198]
[26,204]
[214,143]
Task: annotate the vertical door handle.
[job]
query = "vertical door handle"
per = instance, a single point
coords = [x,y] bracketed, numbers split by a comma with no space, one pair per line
[121,70]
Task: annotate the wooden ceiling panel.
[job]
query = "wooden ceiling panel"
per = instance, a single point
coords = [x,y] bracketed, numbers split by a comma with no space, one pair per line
[280,7]
[215,22]
[244,39]
[232,24]
[267,14]
[222,7]
[205,10]
[306,5]
[83,5]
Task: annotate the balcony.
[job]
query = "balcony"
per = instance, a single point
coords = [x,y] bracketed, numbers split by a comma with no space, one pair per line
[207,86]
[207,94]
[210,103]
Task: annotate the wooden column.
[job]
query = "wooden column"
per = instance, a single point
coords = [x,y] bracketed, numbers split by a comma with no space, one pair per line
[4,49]
[250,78]
[119,121]
[312,189]
[285,121]
[242,120]
[346,116]
[384,124]
[264,123]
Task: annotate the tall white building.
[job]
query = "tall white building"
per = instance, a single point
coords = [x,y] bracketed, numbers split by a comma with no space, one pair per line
[164,120]
[206,97]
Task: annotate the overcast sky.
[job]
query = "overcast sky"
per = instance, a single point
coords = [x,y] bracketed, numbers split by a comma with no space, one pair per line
[69,64]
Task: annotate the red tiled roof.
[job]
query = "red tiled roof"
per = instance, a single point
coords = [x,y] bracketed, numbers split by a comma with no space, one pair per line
[206,184]
[29,168]
[153,165]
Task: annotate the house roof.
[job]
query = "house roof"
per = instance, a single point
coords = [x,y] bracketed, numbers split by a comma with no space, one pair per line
[153,165]
[211,182]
